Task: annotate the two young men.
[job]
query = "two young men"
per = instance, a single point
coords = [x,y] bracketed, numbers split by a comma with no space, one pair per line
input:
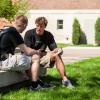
[11,39]
[34,54]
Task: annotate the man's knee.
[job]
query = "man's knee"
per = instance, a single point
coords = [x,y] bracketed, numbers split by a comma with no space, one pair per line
[55,58]
[35,58]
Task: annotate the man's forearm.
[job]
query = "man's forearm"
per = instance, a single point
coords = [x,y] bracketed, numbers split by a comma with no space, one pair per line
[27,50]
[31,52]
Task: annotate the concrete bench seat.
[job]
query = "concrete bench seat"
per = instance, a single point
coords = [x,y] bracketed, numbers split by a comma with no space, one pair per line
[11,77]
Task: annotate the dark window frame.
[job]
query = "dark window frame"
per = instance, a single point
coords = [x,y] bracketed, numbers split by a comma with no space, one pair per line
[60,23]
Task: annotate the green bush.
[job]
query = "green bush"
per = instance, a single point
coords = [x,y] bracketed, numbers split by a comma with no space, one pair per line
[9,10]
[97,31]
[6,9]
[76,34]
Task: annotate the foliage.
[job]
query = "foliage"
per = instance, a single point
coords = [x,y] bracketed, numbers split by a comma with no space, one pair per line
[77,33]
[8,10]
[97,31]
[21,7]
[62,45]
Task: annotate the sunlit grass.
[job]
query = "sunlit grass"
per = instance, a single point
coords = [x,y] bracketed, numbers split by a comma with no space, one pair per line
[84,75]
[62,45]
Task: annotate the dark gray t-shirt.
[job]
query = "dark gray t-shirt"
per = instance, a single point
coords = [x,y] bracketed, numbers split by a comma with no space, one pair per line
[37,42]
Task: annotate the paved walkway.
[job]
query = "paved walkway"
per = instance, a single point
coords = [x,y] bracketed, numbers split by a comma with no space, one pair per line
[74,54]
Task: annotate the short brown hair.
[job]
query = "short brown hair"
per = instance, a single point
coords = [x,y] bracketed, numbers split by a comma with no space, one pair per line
[22,18]
[41,20]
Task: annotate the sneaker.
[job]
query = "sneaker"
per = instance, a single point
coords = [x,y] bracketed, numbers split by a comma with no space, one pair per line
[67,83]
[44,85]
[31,88]
[41,85]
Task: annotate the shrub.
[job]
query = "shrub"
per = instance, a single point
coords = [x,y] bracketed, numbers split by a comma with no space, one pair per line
[97,31]
[8,10]
[77,33]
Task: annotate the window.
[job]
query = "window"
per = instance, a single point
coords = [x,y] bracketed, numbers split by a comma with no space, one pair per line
[59,24]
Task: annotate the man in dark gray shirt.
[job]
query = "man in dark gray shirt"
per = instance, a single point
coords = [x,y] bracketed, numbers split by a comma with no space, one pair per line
[38,39]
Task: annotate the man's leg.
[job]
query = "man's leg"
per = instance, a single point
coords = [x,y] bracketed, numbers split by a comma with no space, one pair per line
[34,72]
[58,61]
[60,67]
[35,67]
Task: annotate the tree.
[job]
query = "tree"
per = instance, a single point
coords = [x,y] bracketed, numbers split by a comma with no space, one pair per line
[21,7]
[76,32]
[78,36]
[8,10]
[97,31]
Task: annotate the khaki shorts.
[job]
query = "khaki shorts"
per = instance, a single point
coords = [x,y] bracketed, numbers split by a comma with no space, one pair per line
[16,63]
[46,62]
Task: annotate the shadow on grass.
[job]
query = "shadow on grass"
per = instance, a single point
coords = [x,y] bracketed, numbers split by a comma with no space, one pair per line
[14,87]
[95,82]
[49,79]
[57,81]
[74,81]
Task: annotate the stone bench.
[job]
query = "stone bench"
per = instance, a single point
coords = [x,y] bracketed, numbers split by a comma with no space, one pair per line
[11,77]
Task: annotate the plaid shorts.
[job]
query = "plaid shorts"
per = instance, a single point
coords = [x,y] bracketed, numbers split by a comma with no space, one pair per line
[46,62]
[16,62]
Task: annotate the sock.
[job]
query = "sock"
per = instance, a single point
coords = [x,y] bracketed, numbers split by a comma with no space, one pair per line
[40,83]
[34,84]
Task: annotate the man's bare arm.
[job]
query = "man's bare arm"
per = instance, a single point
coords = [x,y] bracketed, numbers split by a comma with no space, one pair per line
[28,51]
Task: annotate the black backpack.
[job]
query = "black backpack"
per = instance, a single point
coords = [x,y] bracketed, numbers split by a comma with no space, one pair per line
[2,32]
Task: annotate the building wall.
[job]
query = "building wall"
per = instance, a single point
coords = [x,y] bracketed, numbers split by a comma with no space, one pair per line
[86,19]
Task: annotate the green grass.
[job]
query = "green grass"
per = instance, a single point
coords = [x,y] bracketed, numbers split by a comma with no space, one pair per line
[62,45]
[84,75]
[85,45]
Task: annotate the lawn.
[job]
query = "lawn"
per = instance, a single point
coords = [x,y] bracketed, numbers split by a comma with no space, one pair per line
[62,45]
[84,75]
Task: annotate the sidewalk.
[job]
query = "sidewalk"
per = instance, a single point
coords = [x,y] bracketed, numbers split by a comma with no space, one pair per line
[75,54]
[76,47]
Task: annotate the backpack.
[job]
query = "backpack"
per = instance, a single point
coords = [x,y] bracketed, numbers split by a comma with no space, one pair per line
[2,32]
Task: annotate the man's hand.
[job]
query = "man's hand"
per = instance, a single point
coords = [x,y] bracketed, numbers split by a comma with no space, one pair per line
[58,51]
[41,53]
[38,52]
